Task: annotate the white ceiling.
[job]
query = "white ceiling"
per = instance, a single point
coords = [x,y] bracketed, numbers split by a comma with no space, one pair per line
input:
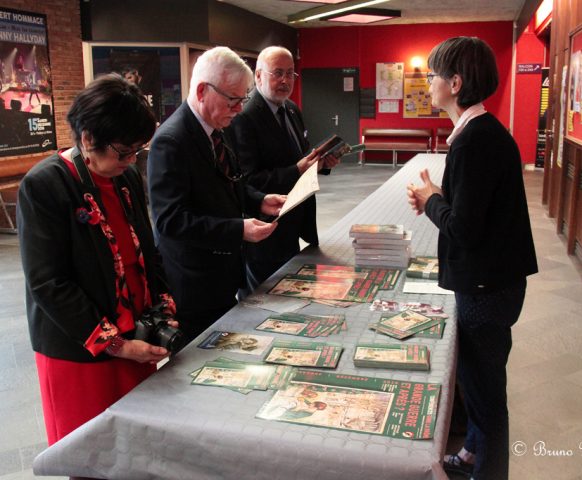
[413,11]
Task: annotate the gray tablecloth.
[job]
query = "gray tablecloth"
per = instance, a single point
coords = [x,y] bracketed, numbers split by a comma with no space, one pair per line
[168,429]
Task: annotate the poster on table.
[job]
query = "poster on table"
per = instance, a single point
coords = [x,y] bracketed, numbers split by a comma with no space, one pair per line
[143,69]
[417,102]
[27,123]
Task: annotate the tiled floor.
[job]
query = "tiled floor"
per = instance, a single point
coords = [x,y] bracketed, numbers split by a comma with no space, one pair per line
[545,368]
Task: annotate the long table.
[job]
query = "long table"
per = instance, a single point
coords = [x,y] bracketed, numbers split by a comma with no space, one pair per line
[168,429]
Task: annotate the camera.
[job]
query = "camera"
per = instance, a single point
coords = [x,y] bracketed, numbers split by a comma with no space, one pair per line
[153,328]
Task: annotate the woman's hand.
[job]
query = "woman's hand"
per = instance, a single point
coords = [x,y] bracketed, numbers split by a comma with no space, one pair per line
[419,195]
[142,352]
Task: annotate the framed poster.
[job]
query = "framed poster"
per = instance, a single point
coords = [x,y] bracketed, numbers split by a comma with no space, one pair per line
[27,123]
[574,90]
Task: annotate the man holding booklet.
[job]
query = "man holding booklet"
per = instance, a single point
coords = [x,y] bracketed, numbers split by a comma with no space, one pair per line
[272,149]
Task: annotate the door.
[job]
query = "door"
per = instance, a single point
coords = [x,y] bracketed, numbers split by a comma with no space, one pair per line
[331,103]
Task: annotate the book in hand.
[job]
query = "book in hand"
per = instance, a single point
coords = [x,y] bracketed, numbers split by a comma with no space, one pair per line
[423,267]
[403,324]
[304,188]
[305,354]
[401,356]
[337,147]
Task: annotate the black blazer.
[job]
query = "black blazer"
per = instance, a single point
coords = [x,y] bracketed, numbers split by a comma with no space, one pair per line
[68,265]
[270,165]
[198,215]
[485,238]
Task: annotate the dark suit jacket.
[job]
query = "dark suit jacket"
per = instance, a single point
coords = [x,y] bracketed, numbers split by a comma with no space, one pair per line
[270,166]
[68,265]
[198,216]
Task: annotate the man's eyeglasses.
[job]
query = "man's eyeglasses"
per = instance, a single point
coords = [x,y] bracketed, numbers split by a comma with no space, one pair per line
[121,156]
[279,74]
[430,77]
[232,101]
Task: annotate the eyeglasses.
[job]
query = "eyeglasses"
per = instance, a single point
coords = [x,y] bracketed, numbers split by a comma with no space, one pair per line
[430,77]
[279,74]
[233,102]
[121,156]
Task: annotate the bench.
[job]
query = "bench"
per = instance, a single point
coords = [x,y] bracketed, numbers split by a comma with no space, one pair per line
[4,213]
[440,144]
[396,140]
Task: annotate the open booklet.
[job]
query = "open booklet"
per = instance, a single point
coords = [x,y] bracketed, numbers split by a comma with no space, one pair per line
[306,186]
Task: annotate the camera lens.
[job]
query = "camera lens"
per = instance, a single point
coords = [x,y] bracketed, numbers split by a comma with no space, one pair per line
[170,338]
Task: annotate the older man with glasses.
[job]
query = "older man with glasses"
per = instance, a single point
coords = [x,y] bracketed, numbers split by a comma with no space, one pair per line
[273,152]
[199,201]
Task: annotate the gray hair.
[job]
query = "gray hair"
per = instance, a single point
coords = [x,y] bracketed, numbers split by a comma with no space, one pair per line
[266,53]
[219,64]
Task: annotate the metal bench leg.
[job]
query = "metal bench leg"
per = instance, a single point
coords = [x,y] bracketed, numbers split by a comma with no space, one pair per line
[394,159]
[362,159]
[12,228]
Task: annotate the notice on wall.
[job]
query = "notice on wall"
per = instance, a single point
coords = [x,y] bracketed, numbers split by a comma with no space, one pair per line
[389,77]
[27,123]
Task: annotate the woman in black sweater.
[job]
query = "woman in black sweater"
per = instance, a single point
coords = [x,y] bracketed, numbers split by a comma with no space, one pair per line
[485,247]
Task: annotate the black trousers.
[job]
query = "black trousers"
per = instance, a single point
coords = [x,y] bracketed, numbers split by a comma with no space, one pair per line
[484,323]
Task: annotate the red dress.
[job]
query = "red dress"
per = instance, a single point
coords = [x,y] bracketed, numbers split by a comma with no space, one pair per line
[74,392]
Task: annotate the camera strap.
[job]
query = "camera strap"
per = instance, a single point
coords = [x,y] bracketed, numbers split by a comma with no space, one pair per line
[87,180]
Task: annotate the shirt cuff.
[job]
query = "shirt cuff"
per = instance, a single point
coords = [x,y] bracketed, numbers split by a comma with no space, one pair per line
[101,337]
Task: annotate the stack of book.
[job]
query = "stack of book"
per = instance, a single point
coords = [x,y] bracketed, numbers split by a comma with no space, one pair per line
[381,355]
[381,245]
[423,267]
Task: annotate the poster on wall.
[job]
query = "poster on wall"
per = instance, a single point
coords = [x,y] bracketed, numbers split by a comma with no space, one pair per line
[389,77]
[417,102]
[574,90]
[143,69]
[542,118]
[27,123]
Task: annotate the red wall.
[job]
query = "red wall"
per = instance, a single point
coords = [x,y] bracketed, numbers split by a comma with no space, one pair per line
[363,47]
[529,49]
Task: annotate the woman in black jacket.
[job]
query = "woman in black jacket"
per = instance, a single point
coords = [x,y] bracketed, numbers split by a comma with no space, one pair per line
[89,260]
[485,247]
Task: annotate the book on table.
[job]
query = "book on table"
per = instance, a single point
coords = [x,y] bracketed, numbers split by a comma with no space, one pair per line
[423,267]
[304,354]
[403,324]
[385,231]
[400,356]
[355,403]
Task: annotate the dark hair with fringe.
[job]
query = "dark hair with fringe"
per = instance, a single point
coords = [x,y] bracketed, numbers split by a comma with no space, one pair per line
[473,60]
[110,109]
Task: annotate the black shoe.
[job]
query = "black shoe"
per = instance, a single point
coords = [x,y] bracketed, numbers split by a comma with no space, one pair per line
[455,464]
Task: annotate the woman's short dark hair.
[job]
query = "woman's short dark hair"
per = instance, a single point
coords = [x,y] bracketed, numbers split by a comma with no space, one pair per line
[110,109]
[473,60]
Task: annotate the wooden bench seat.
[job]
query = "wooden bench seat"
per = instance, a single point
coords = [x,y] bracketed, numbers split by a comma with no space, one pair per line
[396,140]
[440,144]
